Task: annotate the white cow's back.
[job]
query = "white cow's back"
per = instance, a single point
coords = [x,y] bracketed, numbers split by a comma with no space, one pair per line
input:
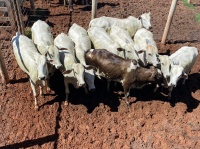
[185,57]
[62,41]
[122,37]
[42,36]
[102,40]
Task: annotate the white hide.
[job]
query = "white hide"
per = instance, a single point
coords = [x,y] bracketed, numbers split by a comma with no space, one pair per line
[165,65]
[144,41]
[82,41]
[131,24]
[102,40]
[73,72]
[42,37]
[62,41]
[82,44]
[31,62]
[182,62]
[122,37]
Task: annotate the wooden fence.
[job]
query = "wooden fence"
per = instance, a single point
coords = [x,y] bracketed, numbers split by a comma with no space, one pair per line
[11,17]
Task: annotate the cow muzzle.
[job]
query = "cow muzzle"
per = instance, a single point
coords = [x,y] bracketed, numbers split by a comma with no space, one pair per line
[92,90]
[172,85]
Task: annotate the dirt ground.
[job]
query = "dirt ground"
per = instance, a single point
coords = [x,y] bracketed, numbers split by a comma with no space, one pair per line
[100,120]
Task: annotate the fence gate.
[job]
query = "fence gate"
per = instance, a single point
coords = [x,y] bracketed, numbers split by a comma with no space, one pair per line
[11,15]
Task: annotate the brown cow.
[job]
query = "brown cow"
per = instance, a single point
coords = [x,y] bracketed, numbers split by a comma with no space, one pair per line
[115,68]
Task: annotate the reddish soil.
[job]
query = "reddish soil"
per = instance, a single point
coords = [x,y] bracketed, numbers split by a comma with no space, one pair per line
[99,120]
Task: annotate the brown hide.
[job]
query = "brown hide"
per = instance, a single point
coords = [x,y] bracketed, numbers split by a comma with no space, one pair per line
[110,64]
[115,68]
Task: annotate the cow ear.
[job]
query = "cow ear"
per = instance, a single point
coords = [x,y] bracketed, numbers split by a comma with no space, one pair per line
[67,71]
[50,61]
[88,67]
[134,61]
[148,42]
[184,75]
[120,49]
[140,51]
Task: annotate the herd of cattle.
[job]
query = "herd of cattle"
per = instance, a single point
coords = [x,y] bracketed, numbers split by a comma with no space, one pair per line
[121,50]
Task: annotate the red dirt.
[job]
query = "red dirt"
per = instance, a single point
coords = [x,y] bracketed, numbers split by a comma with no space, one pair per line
[103,121]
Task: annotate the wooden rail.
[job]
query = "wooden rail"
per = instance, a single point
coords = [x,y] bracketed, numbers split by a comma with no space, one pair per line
[13,9]
[3,71]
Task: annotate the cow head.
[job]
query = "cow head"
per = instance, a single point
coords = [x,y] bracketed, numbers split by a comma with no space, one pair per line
[89,77]
[152,56]
[165,65]
[133,65]
[78,72]
[131,53]
[42,70]
[145,19]
[155,75]
[53,56]
[175,74]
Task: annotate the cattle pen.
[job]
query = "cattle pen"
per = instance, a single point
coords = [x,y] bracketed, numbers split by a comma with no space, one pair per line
[99,120]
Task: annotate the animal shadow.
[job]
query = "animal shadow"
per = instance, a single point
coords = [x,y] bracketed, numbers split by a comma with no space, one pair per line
[181,93]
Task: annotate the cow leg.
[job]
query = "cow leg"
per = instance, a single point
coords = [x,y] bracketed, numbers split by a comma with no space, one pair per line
[66,92]
[41,86]
[33,86]
[48,86]
[155,89]
[86,90]
[126,93]
[108,86]
[41,91]
[170,92]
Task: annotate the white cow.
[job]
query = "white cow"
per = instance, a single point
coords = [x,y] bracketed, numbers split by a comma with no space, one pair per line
[144,41]
[43,38]
[82,41]
[82,44]
[64,42]
[182,62]
[102,40]
[122,37]
[131,24]
[73,72]
[31,62]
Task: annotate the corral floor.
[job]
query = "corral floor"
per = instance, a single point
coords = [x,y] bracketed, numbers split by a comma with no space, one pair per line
[102,120]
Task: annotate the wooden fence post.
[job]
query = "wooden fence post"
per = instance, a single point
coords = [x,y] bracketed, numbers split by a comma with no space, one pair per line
[3,71]
[70,5]
[10,13]
[189,1]
[94,8]
[169,20]
[20,16]
[33,7]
